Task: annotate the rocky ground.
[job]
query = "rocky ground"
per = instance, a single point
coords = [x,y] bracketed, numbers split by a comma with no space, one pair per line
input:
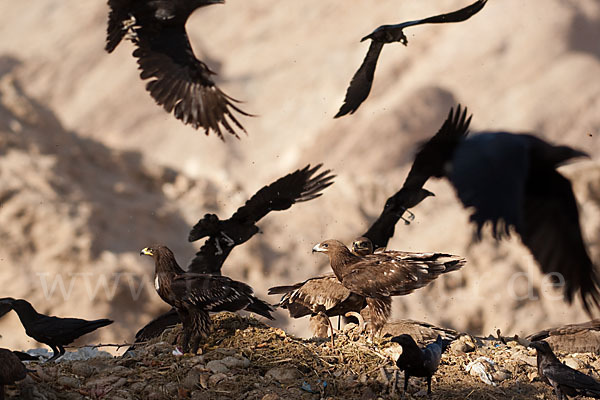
[244,359]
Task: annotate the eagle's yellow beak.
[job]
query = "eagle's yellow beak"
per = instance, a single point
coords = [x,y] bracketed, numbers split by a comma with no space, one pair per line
[146,251]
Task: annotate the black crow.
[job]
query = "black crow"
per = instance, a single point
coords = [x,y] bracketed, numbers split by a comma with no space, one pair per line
[510,180]
[195,295]
[179,82]
[55,332]
[360,86]
[223,235]
[419,362]
[565,380]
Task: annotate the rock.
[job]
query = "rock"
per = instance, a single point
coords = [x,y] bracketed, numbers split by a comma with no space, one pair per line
[83,369]
[574,363]
[501,375]
[234,362]
[191,379]
[68,381]
[217,366]
[283,375]
[464,344]
[270,396]
[216,378]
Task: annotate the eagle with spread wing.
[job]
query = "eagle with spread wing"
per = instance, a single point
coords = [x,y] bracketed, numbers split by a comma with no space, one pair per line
[510,181]
[195,295]
[223,235]
[381,275]
[361,82]
[179,82]
[325,294]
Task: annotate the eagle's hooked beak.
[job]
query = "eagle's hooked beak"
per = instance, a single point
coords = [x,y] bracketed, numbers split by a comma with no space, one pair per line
[318,248]
[146,252]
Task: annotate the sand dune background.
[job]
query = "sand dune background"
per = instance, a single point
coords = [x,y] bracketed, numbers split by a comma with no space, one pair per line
[91,170]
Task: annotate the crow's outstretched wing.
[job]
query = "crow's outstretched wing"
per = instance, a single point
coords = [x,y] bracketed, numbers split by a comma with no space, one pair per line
[295,187]
[182,84]
[360,85]
[552,233]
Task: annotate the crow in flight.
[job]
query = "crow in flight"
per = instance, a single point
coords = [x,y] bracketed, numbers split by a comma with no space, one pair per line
[510,180]
[179,82]
[361,83]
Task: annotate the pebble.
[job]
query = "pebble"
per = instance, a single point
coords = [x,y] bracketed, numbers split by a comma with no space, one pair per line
[463,344]
[68,381]
[216,378]
[283,375]
[234,362]
[217,366]
[83,369]
[270,396]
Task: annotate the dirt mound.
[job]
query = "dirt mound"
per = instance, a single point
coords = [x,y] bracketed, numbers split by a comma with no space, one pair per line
[244,359]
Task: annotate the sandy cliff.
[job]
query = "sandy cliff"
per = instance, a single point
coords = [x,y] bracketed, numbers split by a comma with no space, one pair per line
[91,170]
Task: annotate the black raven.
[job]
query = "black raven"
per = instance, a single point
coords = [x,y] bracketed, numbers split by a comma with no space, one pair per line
[179,82]
[223,235]
[565,380]
[510,180]
[419,362]
[195,295]
[56,332]
[360,86]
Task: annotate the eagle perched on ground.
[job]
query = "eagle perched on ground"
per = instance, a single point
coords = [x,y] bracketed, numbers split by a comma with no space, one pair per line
[361,83]
[179,82]
[510,181]
[381,275]
[223,235]
[195,295]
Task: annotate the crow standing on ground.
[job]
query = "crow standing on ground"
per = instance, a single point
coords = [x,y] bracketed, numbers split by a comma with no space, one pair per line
[510,180]
[55,332]
[419,362]
[178,80]
[361,83]
[379,276]
[565,380]
[195,295]
[11,370]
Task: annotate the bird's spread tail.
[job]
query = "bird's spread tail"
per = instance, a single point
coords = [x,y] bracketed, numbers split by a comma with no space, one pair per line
[93,325]
[260,307]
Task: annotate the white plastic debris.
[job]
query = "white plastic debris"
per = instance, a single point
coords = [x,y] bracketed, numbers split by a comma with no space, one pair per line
[177,352]
[483,368]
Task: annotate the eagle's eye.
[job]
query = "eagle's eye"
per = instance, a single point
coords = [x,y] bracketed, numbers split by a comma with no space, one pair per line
[325,245]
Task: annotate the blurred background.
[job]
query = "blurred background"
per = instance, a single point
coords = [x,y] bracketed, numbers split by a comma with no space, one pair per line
[91,170]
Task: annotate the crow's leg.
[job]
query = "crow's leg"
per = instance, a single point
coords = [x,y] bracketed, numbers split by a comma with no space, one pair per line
[55,353]
[428,385]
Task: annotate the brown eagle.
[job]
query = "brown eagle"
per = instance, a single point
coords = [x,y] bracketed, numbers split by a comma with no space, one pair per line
[195,295]
[510,181]
[323,296]
[361,83]
[179,82]
[223,235]
[379,276]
